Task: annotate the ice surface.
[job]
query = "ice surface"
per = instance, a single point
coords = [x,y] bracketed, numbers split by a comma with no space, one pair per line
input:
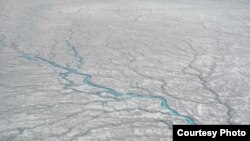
[121,69]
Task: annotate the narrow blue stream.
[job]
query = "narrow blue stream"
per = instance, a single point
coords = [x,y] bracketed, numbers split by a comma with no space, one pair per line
[101,89]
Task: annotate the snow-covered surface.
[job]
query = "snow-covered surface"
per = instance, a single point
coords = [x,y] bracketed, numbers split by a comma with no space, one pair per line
[121,69]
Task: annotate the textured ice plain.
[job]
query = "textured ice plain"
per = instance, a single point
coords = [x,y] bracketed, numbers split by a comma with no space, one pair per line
[121,69]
